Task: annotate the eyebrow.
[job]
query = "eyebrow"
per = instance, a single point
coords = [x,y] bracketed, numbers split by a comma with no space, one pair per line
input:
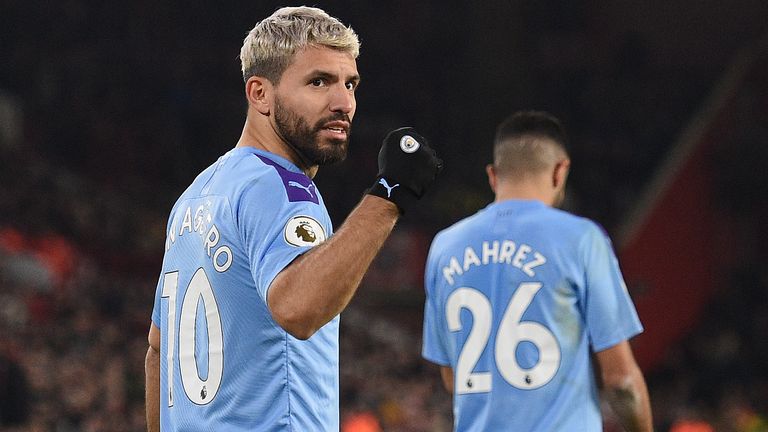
[333,77]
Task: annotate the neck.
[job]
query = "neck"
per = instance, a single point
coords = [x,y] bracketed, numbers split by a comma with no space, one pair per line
[262,135]
[523,191]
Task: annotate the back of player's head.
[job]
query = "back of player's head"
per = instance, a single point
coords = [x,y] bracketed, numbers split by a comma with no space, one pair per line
[528,142]
[269,47]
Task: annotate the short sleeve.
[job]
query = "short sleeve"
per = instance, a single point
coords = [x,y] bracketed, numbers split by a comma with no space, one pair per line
[610,314]
[435,344]
[156,308]
[156,311]
[275,231]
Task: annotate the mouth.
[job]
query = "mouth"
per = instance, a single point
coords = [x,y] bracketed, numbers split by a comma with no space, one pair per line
[336,131]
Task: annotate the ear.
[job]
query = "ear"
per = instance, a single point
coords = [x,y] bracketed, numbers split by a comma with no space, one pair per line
[258,92]
[492,178]
[560,173]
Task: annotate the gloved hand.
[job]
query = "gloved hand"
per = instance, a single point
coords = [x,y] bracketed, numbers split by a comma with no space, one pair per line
[407,166]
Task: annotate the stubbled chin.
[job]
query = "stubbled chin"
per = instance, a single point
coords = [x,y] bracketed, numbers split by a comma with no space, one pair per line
[330,142]
[334,152]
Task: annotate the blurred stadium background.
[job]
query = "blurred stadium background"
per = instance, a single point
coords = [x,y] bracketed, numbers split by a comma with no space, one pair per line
[108,109]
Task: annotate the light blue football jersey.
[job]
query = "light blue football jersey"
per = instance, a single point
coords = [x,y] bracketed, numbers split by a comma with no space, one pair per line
[518,296]
[226,365]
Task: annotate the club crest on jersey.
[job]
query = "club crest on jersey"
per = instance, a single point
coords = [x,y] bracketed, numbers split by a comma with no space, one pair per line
[303,231]
[409,144]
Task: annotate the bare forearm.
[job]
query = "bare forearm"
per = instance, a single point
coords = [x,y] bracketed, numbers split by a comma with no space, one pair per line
[319,284]
[152,395]
[631,404]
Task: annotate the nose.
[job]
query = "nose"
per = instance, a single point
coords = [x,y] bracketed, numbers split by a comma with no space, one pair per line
[342,100]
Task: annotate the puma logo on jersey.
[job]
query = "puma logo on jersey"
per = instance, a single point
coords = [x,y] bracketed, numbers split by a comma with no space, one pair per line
[299,185]
[389,188]
[294,182]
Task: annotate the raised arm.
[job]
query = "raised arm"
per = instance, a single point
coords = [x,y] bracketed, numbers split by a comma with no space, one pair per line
[624,387]
[318,285]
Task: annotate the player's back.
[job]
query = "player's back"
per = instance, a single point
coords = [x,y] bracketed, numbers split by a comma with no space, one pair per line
[225,364]
[509,310]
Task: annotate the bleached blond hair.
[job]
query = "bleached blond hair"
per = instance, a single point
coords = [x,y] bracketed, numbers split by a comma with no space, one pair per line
[269,47]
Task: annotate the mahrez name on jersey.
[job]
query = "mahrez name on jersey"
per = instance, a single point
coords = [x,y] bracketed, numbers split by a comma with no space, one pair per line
[495,252]
[203,224]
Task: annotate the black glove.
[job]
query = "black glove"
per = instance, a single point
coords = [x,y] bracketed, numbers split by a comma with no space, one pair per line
[407,166]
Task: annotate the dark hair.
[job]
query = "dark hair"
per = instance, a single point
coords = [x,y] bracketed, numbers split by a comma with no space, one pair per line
[532,123]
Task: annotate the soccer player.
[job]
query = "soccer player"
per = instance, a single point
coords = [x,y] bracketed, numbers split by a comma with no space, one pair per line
[521,295]
[244,332]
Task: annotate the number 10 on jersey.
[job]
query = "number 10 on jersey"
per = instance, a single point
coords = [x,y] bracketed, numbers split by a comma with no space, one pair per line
[199,391]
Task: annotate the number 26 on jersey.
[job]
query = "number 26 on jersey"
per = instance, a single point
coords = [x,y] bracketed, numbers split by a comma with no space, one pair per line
[511,332]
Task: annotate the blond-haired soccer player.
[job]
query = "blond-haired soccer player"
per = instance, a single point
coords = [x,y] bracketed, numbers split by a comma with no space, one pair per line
[520,295]
[244,333]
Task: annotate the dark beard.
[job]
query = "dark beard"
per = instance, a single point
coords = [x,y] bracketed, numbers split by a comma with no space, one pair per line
[306,141]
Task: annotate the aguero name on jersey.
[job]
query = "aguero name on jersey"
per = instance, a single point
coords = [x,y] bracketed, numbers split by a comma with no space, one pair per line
[225,363]
[518,296]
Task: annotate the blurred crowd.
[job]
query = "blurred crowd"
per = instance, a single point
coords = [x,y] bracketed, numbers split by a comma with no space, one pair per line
[74,340]
[110,111]
[716,378]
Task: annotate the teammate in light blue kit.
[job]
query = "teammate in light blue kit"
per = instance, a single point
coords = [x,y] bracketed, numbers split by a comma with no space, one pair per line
[244,333]
[520,295]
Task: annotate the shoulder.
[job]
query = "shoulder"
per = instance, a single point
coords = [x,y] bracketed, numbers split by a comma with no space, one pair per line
[588,237]
[271,193]
[564,224]
[459,234]
[581,226]
[249,177]
[231,175]
[243,172]
[552,215]
[460,229]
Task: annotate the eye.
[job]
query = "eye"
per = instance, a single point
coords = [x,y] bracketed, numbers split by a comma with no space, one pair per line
[317,82]
[351,85]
